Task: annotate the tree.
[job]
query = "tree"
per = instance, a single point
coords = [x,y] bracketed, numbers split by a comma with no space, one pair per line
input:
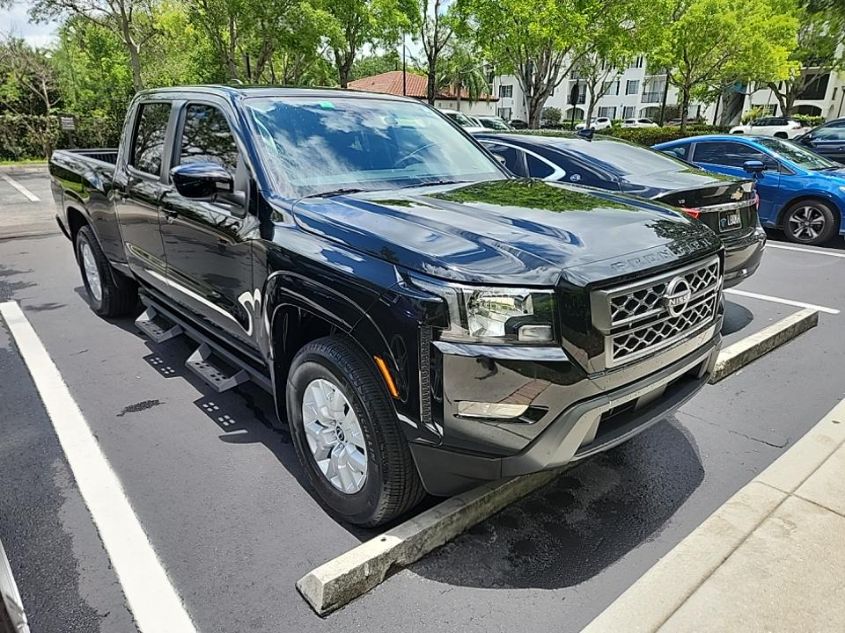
[130,20]
[710,43]
[434,30]
[820,51]
[376,64]
[355,24]
[540,41]
[460,73]
[28,87]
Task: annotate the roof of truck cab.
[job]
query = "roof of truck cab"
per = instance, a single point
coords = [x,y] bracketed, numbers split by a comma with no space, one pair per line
[274,91]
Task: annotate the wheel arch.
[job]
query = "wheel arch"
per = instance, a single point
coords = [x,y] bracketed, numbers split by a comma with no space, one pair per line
[812,196]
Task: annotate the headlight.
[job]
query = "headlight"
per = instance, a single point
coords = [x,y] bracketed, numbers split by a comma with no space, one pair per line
[495,315]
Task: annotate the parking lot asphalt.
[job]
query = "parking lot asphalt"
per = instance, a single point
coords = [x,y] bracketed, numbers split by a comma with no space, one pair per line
[221,496]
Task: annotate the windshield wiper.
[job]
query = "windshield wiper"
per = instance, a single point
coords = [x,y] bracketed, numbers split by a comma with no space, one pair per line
[334,192]
[432,183]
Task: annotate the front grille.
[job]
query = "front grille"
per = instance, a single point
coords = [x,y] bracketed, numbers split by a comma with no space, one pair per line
[639,318]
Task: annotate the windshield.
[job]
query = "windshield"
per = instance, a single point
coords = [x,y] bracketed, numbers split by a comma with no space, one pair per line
[623,159]
[795,153]
[492,123]
[460,119]
[313,145]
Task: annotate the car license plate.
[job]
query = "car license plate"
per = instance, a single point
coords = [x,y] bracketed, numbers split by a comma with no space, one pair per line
[729,220]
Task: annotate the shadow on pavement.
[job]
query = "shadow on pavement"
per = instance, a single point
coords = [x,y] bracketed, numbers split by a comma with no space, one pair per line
[736,317]
[580,524]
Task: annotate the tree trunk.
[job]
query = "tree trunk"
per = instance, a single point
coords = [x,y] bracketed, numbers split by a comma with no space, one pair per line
[134,53]
[431,88]
[535,110]
[685,90]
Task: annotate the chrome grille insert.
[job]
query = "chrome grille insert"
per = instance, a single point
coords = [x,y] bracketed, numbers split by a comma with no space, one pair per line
[645,316]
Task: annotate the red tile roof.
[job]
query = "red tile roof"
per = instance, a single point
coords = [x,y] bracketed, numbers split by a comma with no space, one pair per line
[416,86]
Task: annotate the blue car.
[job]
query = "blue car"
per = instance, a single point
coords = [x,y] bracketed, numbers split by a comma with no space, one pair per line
[801,192]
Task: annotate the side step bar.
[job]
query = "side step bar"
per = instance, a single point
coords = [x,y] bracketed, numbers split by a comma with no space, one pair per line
[201,363]
[211,360]
[157,327]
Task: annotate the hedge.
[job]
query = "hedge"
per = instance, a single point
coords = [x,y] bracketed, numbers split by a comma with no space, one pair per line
[644,135]
[27,137]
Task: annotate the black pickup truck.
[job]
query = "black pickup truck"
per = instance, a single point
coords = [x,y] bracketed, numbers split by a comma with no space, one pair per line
[425,320]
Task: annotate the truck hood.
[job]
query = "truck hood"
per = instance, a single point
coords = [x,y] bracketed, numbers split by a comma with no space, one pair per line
[515,232]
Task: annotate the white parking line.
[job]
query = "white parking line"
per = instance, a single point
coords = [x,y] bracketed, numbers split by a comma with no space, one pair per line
[805,250]
[150,595]
[788,302]
[23,190]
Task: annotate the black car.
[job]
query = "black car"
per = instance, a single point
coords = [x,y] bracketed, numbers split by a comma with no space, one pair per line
[725,204]
[827,139]
[424,320]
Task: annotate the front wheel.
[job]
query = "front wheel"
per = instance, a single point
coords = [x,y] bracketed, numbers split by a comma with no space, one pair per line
[109,293]
[347,436]
[809,222]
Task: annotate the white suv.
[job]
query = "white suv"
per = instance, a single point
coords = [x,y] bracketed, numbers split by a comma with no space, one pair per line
[777,126]
[598,123]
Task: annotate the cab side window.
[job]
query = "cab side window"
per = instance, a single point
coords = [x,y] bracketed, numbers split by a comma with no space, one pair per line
[730,154]
[206,137]
[150,132]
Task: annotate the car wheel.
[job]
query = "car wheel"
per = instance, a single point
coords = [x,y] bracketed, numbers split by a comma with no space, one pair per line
[109,293]
[781,135]
[347,436]
[809,222]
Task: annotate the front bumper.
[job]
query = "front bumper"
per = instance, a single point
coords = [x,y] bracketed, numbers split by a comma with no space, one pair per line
[743,256]
[569,416]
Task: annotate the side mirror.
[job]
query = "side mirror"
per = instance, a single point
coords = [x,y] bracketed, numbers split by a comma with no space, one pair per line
[201,180]
[755,167]
[499,158]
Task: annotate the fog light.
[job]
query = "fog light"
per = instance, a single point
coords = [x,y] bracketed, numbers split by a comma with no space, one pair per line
[499,410]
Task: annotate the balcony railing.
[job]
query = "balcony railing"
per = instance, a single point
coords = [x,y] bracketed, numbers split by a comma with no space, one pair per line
[653,96]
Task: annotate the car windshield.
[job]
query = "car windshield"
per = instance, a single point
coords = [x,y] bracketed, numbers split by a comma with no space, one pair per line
[623,159]
[494,124]
[314,145]
[796,154]
[460,119]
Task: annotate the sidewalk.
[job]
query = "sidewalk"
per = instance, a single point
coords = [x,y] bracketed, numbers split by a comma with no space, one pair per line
[771,559]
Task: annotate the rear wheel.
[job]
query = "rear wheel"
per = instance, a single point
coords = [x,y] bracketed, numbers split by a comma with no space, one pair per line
[109,293]
[347,436]
[809,222]
[781,135]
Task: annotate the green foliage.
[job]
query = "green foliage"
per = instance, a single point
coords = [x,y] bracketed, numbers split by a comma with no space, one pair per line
[647,136]
[809,120]
[752,115]
[552,115]
[376,64]
[711,44]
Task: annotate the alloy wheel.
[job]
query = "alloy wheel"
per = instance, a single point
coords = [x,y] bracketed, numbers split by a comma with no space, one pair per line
[334,436]
[806,223]
[91,272]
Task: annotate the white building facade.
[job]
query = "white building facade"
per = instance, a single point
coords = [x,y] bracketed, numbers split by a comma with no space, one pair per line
[638,92]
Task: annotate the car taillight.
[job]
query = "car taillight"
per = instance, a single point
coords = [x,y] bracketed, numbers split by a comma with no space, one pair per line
[693,213]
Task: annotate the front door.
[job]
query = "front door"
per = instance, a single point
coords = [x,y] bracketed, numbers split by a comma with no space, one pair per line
[208,242]
[137,188]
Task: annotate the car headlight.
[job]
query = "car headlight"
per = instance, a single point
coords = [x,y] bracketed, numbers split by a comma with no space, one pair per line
[483,314]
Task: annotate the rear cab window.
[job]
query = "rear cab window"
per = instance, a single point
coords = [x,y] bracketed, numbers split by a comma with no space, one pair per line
[148,142]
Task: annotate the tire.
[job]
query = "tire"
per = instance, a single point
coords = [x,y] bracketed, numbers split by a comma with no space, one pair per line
[110,294]
[781,135]
[391,485]
[822,222]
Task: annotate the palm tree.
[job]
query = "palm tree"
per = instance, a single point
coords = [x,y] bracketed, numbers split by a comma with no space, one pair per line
[459,72]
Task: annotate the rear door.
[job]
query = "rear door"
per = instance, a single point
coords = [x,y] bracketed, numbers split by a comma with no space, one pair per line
[208,242]
[728,157]
[138,186]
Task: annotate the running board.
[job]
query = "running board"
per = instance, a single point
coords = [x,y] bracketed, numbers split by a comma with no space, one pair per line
[155,326]
[201,363]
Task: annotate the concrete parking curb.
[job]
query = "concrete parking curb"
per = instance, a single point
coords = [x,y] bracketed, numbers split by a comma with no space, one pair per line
[355,572]
[337,582]
[749,349]
[647,604]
